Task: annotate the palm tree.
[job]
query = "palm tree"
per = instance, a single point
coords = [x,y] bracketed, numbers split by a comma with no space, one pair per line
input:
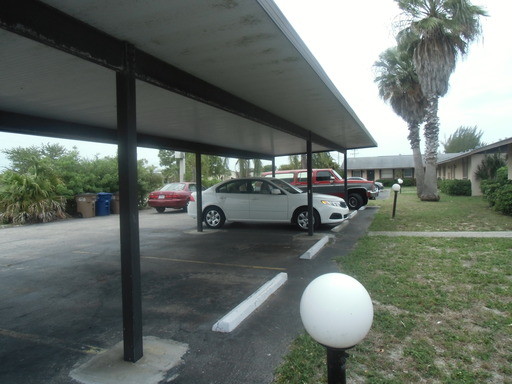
[436,32]
[398,84]
[243,167]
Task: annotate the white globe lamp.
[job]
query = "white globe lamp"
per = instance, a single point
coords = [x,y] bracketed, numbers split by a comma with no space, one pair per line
[337,312]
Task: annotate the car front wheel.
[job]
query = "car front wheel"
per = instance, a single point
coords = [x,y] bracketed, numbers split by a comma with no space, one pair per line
[302,221]
[214,217]
[355,201]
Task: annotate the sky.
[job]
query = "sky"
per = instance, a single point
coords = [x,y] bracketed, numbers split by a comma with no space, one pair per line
[346,37]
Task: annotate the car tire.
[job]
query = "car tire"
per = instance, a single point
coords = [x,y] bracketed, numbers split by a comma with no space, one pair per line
[214,217]
[355,201]
[160,209]
[185,208]
[300,219]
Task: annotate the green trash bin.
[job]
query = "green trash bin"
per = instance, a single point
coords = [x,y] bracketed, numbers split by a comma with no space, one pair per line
[86,204]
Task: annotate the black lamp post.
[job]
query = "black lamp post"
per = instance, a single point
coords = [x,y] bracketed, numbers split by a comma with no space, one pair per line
[336,311]
[395,188]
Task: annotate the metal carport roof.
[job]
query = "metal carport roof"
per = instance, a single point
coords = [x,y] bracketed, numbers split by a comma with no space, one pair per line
[219,77]
[243,81]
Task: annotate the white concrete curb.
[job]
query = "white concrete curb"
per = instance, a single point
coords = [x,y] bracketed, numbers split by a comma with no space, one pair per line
[230,321]
[311,252]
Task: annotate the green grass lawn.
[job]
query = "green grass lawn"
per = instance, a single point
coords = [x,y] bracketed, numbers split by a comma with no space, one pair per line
[451,213]
[443,306]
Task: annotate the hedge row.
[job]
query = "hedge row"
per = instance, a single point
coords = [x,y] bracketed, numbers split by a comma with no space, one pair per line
[455,187]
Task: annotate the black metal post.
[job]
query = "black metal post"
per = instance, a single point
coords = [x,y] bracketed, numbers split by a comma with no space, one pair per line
[199,193]
[309,160]
[129,213]
[345,177]
[273,167]
[336,372]
[394,204]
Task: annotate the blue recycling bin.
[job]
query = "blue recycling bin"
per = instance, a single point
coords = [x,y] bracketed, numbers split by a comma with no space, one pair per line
[103,204]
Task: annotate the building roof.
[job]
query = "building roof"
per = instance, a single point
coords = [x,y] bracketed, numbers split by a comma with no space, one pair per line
[390,162]
[220,77]
[485,149]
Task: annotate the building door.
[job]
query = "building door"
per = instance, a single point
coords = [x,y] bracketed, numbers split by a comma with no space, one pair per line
[371,174]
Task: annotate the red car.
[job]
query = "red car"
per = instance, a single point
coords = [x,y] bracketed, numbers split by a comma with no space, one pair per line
[173,195]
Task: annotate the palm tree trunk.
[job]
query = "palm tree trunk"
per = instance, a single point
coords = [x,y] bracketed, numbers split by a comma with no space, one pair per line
[429,191]
[419,171]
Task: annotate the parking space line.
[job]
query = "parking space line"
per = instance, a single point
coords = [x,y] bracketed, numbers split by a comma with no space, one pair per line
[52,342]
[85,253]
[313,251]
[243,310]
[216,264]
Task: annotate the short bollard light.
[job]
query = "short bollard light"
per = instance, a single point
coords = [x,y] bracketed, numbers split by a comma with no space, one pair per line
[337,312]
[395,188]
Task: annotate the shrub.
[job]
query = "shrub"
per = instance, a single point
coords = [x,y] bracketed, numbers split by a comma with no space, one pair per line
[455,187]
[29,198]
[498,191]
[503,202]
[390,182]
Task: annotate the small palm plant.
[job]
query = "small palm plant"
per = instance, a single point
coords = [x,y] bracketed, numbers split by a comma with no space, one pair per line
[29,198]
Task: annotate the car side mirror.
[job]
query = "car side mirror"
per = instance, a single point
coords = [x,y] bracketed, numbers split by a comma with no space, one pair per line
[276,191]
[331,179]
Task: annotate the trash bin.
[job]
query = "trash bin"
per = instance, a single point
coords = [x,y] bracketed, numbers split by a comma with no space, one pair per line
[103,204]
[114,203]
[85,204]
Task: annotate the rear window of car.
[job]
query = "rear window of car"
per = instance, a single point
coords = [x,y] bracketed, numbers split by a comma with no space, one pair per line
[173,187]
[302,177]
[235,186]
[288,177]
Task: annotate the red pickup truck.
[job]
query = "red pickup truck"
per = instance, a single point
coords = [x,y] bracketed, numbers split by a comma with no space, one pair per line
[329,182]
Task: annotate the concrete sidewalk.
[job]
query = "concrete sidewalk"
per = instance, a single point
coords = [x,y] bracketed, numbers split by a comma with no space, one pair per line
[496,234]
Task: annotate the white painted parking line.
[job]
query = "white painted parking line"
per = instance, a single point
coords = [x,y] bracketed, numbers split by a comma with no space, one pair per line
[312,252]
[233,319]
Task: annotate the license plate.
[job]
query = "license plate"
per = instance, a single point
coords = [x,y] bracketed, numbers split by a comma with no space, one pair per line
[161,196]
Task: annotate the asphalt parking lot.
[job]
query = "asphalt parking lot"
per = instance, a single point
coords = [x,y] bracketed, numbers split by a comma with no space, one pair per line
[60,293]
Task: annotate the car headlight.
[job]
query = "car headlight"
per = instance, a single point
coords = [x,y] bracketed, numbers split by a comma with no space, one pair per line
[333,203]
[341,203]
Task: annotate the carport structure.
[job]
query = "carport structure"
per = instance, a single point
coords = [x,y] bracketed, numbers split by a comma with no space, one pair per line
[220,77]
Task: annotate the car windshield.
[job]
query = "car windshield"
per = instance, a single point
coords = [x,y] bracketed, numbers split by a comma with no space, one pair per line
[173,187]
[287,187]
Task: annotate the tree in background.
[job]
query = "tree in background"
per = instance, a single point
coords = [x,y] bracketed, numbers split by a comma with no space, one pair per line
[214,168]
[436,32]
[52,174]
[257,167]
[463,139]
[169,165]
[398,84]
[488,168]
[243,168]
[294,163]
[320,160]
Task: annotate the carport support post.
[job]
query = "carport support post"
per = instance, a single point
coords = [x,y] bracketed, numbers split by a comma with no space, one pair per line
[345,172]
[129,213]
[199,193]
[309,163]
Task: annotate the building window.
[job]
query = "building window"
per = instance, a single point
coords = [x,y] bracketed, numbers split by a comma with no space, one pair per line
[408,173]
[465,168]
[357,173]
[386,173]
